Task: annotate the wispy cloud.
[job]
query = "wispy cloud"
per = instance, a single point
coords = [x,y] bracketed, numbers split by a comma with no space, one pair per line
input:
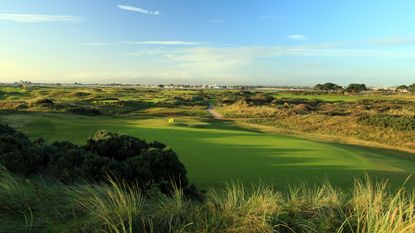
[138,9]
[234,64]
[39,18]
[392,41]
[147,42]
[297,37]
[145,52]
[164,42]
[221,59]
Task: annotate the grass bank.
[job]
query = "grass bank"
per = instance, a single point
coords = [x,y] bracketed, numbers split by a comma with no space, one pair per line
[47,206]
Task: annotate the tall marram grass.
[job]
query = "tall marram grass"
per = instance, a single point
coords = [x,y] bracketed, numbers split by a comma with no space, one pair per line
[372,208]
[116,207]
[47,206]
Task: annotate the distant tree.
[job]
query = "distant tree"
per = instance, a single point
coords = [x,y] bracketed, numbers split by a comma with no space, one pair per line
[328,87]
[318,87]
[402,88]
[356,88]
[411,88]
[160,86]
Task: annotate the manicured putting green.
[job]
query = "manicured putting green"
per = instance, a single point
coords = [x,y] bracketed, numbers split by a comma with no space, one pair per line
[217,152]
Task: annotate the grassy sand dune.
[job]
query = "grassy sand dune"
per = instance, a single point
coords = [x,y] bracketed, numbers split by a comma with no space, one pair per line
[46,206]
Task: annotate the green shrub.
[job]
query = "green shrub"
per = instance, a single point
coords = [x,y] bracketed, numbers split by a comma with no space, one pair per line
[356,88]
[126,158]
[85,111]
[19,153]
[328,87]
[42,102]
[261,99]
[232,97]
[389,121]
[139,161]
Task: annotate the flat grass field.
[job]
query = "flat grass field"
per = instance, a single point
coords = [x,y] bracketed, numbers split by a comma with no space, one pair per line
[216,152]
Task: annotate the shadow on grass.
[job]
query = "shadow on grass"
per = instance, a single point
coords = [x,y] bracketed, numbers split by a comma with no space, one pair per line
[213,158]
[224,125]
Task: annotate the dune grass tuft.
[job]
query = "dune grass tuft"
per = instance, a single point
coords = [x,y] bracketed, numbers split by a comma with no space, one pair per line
[47,206]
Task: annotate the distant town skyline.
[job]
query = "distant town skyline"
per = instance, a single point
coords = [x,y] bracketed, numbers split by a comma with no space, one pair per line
[269,42]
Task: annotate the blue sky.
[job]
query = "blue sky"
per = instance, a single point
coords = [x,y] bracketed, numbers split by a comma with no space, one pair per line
[279,42]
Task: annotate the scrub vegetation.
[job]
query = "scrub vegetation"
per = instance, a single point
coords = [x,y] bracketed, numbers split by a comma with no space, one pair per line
[37,205]
[118,159]
[387,120]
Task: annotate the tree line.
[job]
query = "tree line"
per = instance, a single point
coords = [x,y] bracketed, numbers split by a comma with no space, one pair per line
[356,87]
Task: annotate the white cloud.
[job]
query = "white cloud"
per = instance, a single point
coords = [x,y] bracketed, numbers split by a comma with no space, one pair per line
[218,64]
[297,37]
[145,52]
[217,61]
[149,42]
[138,9]
[38,18]
[161,42]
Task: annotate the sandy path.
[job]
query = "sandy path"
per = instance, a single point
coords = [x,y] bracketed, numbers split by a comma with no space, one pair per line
[214,113]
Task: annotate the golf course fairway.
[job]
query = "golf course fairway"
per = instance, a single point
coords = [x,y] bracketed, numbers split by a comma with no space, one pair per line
[216,152]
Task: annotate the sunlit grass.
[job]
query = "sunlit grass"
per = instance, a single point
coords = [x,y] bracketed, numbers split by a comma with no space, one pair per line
[47,206]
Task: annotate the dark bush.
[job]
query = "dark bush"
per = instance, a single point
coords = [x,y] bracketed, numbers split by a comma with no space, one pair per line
[138,161]
[261,99]
[182,100]
[314,103]
[42,102]
[69,163]
[402,88]
[197,98]
[115,146]
[356,88]
[85,111]
[232,97]
[123,157]
[328,87]
[19,154]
